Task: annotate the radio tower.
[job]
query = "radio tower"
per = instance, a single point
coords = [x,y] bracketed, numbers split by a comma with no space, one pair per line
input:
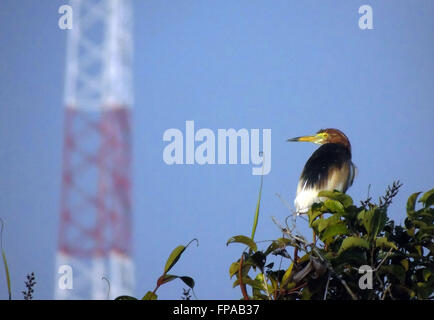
[95,218]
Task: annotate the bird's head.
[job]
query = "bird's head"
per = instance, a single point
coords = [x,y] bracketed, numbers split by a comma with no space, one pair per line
[324,136]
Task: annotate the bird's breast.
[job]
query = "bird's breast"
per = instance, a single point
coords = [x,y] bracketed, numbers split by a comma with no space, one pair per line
[329,168]
[304,199]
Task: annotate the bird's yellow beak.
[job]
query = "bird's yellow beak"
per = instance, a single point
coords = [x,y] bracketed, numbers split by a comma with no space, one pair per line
[318,138]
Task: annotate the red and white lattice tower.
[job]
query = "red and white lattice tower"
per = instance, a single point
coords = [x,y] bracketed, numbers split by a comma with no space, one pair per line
[95,221]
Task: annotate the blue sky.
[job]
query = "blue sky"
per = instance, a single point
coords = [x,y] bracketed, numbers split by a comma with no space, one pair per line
[291,66]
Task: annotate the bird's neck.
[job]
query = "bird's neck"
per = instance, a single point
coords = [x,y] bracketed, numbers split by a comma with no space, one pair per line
[344,143]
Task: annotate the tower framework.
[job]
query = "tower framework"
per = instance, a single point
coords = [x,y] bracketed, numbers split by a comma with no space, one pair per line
[95,219]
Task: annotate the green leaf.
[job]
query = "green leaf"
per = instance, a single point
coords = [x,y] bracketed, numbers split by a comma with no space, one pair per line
[286,275]
[250,282]
[373,220]
[347,257]
[383,242]
[188,281]
[258,259]
[257,295]
[426,214]
[273,286]
[343,198]
[405,263]
[322,224]
[5,261]
[379,220]
[150,296]
[8,278]
[427,273]
[429,230]
[306,294]
[353,242]
[258,204]
[260,282]
[270,265]
[419,224]
[394,269]
[233,269]
[333,231]
[315,211]
[125,298]
[244,240]
[346,200]
[175,255]
[277,244]
[334,206]
[428,198]
[170,277]
[165,279]
[411,202]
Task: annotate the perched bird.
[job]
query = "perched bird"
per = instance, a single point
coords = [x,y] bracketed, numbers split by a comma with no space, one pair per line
[329,168]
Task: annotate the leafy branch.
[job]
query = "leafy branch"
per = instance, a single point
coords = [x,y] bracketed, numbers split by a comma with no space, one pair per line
[174,256]
[347,237]
[30,283]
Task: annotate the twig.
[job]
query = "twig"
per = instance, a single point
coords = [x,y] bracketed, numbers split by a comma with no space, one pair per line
[384,259]
[387,289]
[294,213]
[266,286]
[367,203]
[240,276]
[327,288]
[391,192]
[30,283]
[318,254]
[378,267]
[289,233]
[108,283]
[333,272]
[186,294]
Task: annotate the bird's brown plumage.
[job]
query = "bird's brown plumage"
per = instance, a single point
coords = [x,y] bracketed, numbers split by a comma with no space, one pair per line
[329,168]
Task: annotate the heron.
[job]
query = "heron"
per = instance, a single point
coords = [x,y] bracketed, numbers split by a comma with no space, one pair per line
[328,168]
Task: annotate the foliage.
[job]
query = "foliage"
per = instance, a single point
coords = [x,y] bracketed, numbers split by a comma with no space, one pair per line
[150,295]
[347,241]
[165,277]
[346,237]
[30,283]
[186,294]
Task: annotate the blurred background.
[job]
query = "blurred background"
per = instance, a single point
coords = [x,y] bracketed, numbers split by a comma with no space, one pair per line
[290,66]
